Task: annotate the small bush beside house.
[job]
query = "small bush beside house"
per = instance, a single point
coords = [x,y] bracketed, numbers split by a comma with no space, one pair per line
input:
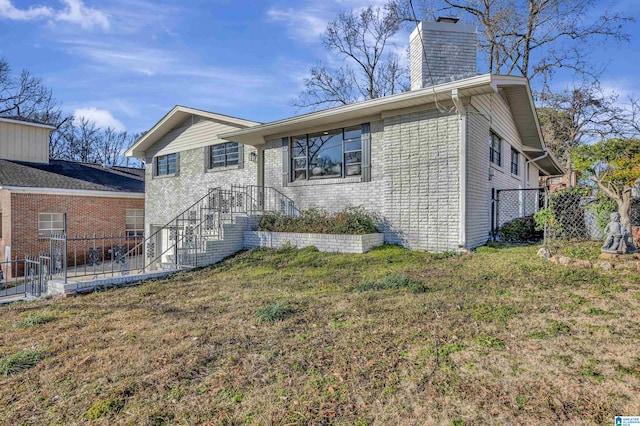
[522,229]
[351,220]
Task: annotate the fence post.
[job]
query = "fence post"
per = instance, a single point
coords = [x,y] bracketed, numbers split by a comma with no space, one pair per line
[545,231]
[493,214]
[64,256]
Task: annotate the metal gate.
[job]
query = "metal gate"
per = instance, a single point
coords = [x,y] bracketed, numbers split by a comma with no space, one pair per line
[36,275]
[510,204]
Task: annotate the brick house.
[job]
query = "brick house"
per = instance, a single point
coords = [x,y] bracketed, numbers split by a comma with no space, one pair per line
[426,161]
[39,196]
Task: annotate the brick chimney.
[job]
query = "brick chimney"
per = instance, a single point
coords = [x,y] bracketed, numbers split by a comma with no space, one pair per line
[449,48]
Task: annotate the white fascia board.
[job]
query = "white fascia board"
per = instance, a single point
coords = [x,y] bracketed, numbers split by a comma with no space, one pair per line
[371,104]
[73,192]
[27,123]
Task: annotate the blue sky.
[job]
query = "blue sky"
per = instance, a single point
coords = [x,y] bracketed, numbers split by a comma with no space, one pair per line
[125,63]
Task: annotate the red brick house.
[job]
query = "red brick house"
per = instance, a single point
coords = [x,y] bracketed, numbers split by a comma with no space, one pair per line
[40,197]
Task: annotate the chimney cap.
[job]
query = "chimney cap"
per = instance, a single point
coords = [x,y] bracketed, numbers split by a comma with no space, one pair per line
[448,19]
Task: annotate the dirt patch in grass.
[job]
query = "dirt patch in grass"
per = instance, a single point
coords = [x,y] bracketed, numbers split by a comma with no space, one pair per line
[500,337]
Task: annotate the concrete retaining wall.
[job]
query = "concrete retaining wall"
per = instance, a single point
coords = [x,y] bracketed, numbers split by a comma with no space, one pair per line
[55,287]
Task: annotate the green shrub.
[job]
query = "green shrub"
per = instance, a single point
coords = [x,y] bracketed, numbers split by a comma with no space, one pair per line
[567,213]
[602,208]
[103,408]
[392,282]
[273,312]
[351,220]
[522,229]
[35,319]
[20,361]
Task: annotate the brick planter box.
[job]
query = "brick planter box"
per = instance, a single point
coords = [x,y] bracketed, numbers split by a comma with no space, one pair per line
[323,242]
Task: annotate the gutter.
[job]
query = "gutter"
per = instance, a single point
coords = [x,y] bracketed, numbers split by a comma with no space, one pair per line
[545,155]
[27,123]
[73,192]
[462,113]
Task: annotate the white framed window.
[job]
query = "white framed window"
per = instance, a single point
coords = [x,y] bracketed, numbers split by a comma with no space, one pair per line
[135,222]
[51,224]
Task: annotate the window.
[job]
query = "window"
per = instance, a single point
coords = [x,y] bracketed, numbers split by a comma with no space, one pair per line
[223,155]
[515,162]
[166,165]
[495,151]
[50,224]
[0,225]
[135,222]
[331,154]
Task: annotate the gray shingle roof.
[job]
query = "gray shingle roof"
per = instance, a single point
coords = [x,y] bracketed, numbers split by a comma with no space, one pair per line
[61,174]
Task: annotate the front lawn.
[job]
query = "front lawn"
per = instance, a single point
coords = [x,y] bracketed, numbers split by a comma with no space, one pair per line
[498,336]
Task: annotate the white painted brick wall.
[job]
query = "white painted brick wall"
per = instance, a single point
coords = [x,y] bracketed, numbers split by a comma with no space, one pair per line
[323,242]
[166,197]
[414,186]
[449,53]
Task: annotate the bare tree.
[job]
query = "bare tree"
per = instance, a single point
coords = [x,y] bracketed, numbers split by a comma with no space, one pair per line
[79,139]
[534,38]
[361,40]
[630,115]
[578,115]
[25,97]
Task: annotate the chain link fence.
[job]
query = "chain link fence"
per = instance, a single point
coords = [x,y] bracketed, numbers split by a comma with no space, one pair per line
[513,211]
[571,215]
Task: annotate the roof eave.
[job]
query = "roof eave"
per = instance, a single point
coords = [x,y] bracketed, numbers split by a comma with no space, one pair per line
[548,163]
[255,135]
[165,124]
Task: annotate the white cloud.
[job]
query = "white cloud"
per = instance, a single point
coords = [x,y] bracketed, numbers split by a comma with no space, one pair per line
[153,62]
[101,117]
[304,24]
[621,87]
[141,60]
[77,13]
[8,10]
[74,12]
[310,20]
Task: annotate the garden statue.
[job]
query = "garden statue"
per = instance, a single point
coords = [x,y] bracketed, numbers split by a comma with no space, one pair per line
[616,237]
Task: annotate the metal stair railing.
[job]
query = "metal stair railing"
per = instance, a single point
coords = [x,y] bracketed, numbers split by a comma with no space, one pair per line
[181,227]
[202,221]
[269,199]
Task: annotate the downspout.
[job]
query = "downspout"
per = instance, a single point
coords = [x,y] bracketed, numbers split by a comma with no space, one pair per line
[462,113]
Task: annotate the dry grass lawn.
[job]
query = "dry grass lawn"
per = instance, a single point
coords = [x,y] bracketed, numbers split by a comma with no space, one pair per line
[300,337]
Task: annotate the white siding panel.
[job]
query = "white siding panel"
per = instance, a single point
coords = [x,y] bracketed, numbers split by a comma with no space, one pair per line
[494,107]
[24,143]
[478,211]
[201,133]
